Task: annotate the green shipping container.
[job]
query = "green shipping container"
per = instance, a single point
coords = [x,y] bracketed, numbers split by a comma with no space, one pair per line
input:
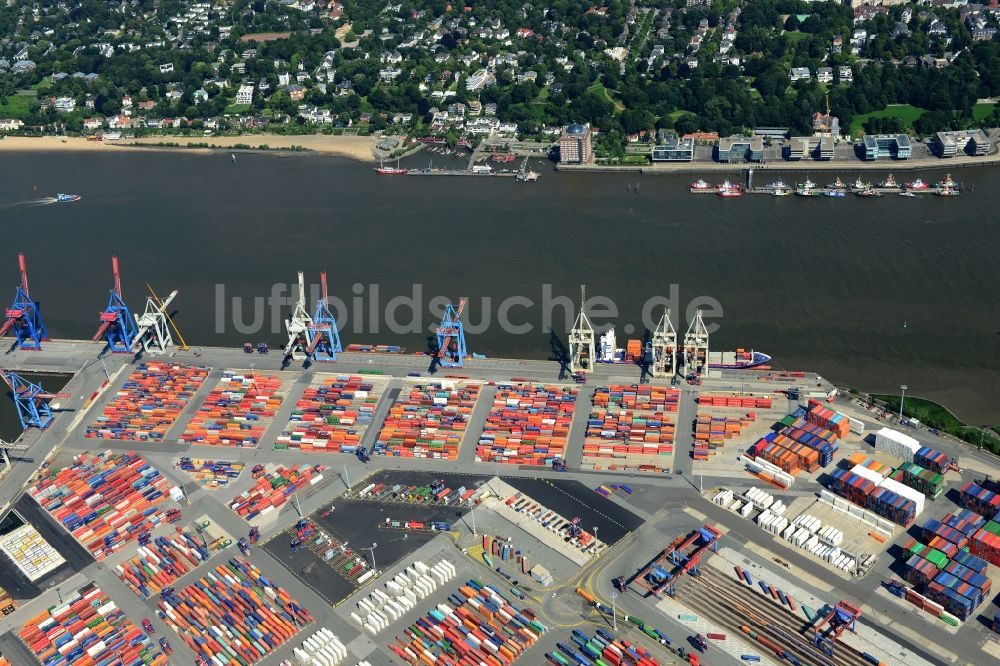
[937,558]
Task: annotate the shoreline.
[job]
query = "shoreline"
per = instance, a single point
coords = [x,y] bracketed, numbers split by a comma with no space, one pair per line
[921,164]
[358,148]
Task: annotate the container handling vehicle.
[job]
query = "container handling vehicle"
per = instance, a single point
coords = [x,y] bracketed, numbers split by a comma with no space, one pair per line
[147,626]
[165,646]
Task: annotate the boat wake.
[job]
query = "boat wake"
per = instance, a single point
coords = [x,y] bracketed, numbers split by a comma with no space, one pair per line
[31,203]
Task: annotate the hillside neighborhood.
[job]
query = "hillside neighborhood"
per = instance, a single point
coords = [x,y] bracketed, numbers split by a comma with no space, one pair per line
[633,71]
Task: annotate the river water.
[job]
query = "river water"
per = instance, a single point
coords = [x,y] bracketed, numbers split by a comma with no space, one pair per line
[871,293]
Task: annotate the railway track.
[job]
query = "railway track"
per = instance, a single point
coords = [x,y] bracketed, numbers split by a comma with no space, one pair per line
[731,605]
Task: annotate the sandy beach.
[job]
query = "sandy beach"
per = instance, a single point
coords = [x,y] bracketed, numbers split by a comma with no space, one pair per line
[355,147]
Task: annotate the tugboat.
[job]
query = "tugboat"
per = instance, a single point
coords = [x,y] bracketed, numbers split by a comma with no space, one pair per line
[700,185]
[860,185]
[807,189]
[67,198]
[835,193]
[837,185]
[889,183]
[727,189]
[917,184]
[781,192]
[947,182]
[947,192]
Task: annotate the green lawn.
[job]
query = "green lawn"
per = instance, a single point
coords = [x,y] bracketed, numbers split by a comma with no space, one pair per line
[674,115]
[16,106]
[237,108]
[603,93]
[907,112]
[796,36]
[983,110]
[933,415]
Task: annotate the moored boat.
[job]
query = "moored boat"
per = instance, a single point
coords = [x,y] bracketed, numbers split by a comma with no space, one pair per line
[807,189]
[727,189]
[781,193]
[859,185]
[836,194]
[917,184]
[837,185]
[947,182]
[889,182]
[947,192]
[907,194]
[868,192]
[701,185]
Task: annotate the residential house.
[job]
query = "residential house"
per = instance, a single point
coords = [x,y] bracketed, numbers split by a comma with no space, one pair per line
[296,92]
[93,123]
[166,68]
[824,74]
[798,74]
[65,104]
[245,95]
[845,74]
[10,124]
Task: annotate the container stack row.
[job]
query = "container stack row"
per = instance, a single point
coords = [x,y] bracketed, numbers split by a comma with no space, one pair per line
[237,411]
[381,608]
[985,543]
[712,432]
[899,506]
[828,419]
[631,427]
[333,414]
[103,500]
[528,424]
[477,625]
[978,499]
[929,483]
[896,444]
[273,487]
[861,459]
[233,615]
[160,563]
[149,402]
[788,455]
[933,460]
[428,420]
[88,629]
[813,436]
[323,648]
[738,401]
[211,474]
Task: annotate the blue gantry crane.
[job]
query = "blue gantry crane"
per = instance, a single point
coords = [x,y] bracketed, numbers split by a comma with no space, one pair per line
[31,400]
[451,350]
[23,318]
[117,324]
[324,338]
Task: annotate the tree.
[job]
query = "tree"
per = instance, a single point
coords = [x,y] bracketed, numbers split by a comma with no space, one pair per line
[792,23]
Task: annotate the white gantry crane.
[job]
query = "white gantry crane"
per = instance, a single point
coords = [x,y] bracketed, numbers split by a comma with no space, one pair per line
[664,344]
[298,326]
[154,326]
[696,346]
[581,339]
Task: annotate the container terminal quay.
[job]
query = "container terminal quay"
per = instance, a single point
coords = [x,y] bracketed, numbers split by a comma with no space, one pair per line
[338,503]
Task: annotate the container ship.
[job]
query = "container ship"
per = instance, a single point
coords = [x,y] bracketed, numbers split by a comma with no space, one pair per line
[741,359]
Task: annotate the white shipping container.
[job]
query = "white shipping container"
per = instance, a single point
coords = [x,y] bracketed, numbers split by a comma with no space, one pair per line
[905,491]
[896,444]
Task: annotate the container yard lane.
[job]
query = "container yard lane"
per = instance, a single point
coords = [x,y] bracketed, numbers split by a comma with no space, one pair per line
[297,418]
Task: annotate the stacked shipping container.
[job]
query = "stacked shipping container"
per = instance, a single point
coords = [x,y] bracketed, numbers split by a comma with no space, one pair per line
[88,630]
[985,543]
[103,500]
[233,615]
[273,488]
[883,499]
[332,416]
[737,401]
[149,402]
[161,563]
[237,411]
[630,426]
[478,625]
[211,473]
[828,419]
[929,483]
[932,459]
[428,421]
[711,432]
[813,436]
[980,500]
[528,424]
